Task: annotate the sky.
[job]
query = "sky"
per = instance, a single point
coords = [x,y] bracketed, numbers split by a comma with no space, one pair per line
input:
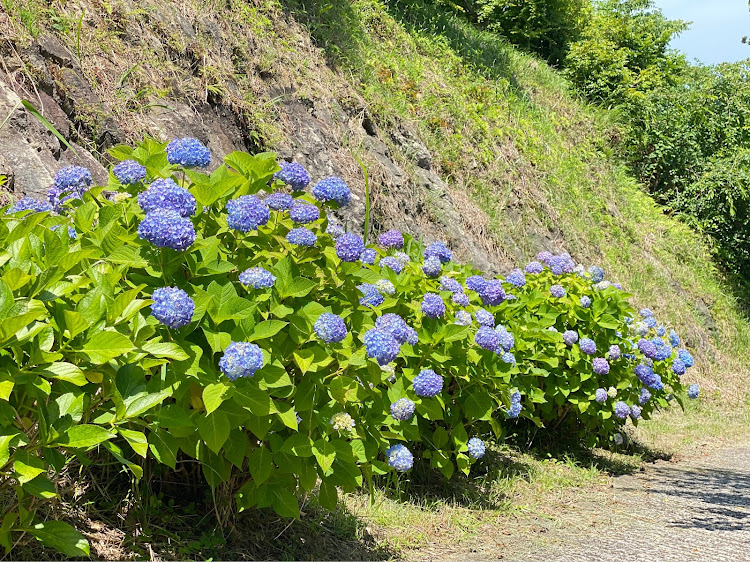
[717,30]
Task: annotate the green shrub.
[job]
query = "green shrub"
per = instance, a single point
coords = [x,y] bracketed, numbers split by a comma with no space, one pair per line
[87,366]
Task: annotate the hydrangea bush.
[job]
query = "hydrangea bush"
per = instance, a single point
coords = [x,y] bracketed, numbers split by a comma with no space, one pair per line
[189,316]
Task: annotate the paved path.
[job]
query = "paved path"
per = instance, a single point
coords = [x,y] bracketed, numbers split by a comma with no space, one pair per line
[697,509]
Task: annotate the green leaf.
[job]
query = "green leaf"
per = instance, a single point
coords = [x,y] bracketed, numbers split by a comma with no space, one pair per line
[325,454]
[141,402]
[328,496]
[285,502]
[84,436]
[214,395]
[105,346]
[26,467]
[164,447]
[64,372]
[41,487]
[218,341]
[267,329]
[252,399]
[62,537]
[260,465]
[479,405]
[136,439]
[300,445]
[214,430]
[165,349]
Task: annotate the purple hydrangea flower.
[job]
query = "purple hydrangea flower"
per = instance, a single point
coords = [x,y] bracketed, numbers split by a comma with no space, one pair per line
[349,247]
[279,201]
[516,278]
[460,299]
[693,391]
[475,283]
[450,284]
[432,267]
[647,348]
[587,346]
[293,174]
[172,307]
[427,384]
[412,338]
[614,352]
[492,294]
[433,306]
[585,301]
[485,318]
[399,457]
[167,229]
[544,256]
[391,239]
[476,448]
[368,256]
[402,409]
[678,367]
[402,257]
[487,338]
[129,172]
[644,397]
[601,395]
[600,366]
[440,251]
[463,318]
[622,410]
[394,325]
[30,205]
[507,341]
[301,236]
[257,278]
[534,267]
[371,295]
[392,263]
[304,213]
[330,328]
[570,337]
[557,291]
[188,152]
[332,189]
[635,412]
[241,359]
[166,194]
[246,213]
[381,346]
[336,231]
[508,357]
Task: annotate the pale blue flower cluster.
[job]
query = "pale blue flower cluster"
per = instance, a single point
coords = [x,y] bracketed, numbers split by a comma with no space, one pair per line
[241,359]
[188,153]
[172,307]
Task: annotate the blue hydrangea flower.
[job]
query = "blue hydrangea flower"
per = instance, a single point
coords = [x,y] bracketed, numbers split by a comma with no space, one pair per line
[29,204]
[391,239]
[394,325]
[392,263]
[647,348]
[293,174]
[516,407]
[492,294]
[585,301]
[427,383]
[167,229]
[685,357]
[241,359]
[460,299]
[570,337]
[402,257]
[381,346]
[301,236]
[544,256]
[330,328]
[507,341]
[650,321]
[247,213]
[693,391]
[596,273]
[332,189]
[601,395]
[674,339]
[71,182]
[432,267]
[476,448]
[663,352]
[614,352]
[438,250]
[368,256]
[402,409]
[515,398]
[622,410]
[646,312]
[412,338]
[463,318]
[385,287]
[661,330]
[304,213]
[678,367]
[336,230]
[280,201]
[487,338]
[371,295]
[617,286]
[600,366]
[129,172]
[534,267]
[72,233]
[557,264]
[516,278]
[635,412]
[508,357]
[349,247]
[450,284]
[484,318]
[172,307]
[588,346]
[400,458]
[433,306]
[188,152]
[475,283]
[257,278]
[557,291]
[166,194]
[644,397]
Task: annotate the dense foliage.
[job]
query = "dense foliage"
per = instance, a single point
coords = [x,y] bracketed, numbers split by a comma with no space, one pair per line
[174,315]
